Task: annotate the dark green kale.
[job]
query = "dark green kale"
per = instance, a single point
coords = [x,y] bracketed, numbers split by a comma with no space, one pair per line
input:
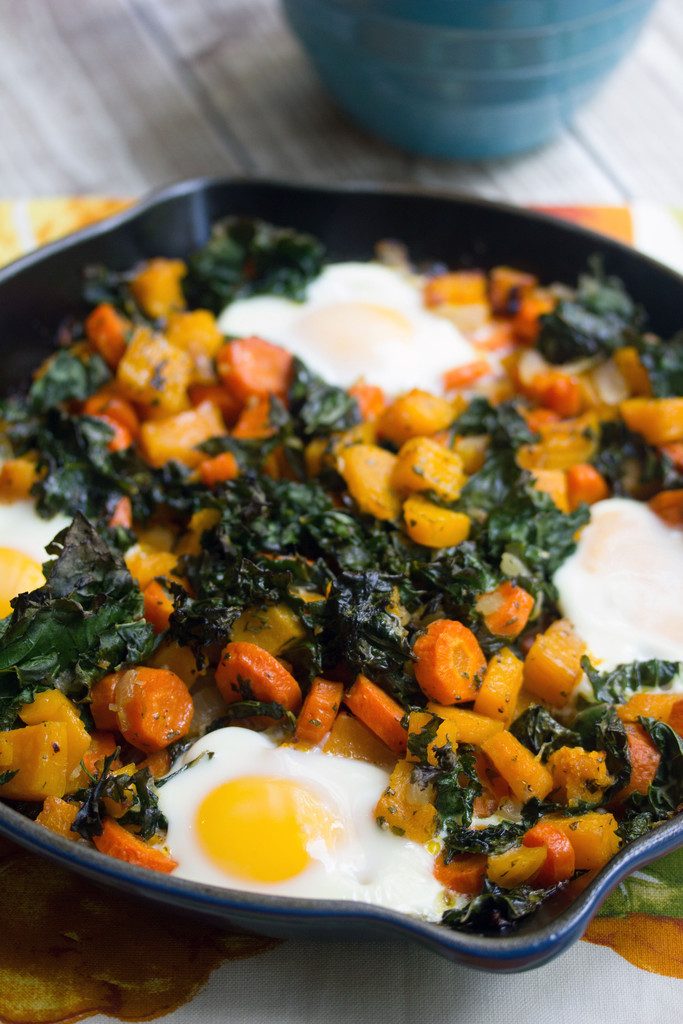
[541,733]
[242,709]
[489,839]
[490,486]
[137,790]
[249,257]
[600,728]
[66,377]
[497,910]
[455,784]
[663,361]
[616,686]
[631,465]
[7,776]
[503,423]
[596,321]
[318,408]
[85,621]
[458,576]
[664,797]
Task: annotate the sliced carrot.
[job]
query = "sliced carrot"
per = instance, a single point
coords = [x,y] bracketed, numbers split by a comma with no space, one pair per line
[159,763]
[560,862]
[252,367]
[158,606]
[539,418]
[319,710]
[669,506]
[102,744]
[465,375]
[106,331]
[557,391]
[246,671]
[464,873]
[122,437]
[106,403]
[122,514]
[492,336]
[674,452]
[585,485]
[371,399]
[449,662]
[229,406]
[254,421]
[153,707]
[380,712]
[102,703]
[219,469]
[117,842]
[644,758]
[506,609]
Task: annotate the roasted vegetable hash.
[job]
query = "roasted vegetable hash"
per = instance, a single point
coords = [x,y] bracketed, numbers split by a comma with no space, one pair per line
[361,575]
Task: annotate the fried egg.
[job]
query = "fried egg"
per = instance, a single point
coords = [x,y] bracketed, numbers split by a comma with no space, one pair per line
[358,320]
[275,819]
[623,586]
[23,539]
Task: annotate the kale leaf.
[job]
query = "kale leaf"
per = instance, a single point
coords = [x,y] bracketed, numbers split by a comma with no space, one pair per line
[316,407]
[67,377]
[489,839]
[497,910]
[663,361]
[617,685]
[503,423]
[600,728]
[455,783]
[242,709]
[250,257]
[632,466]
[541,733]
[85,621]
[665,794]
[137,790]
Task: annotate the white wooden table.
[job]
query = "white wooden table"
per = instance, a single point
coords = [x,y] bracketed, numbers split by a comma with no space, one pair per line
[117,96]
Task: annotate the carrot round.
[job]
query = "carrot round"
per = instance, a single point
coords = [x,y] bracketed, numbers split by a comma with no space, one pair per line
[644,758]
[253,367]
[102,744]
[254,421]
[157,606]
[560,862]
[105,403]
[449,662]
[464,873]
[153,707]
[117,842]
[506,609]
[219,469]
[557,391]
[247,671]
[465,375]
[380,712]
[122,436]
[371,400]
[106,331]
[669,506]
[102,702]
[122,514]
[219,395]
[585,484]
[319,710]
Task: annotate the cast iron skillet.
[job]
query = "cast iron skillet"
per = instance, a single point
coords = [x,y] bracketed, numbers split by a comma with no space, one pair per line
[41,289]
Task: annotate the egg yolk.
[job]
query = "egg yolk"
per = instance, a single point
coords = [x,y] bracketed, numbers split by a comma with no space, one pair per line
[262,829]
[18,574]
[353,329]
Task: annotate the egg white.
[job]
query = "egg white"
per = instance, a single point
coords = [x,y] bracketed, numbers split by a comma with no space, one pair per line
[22,529]
[366,864]
[623,586]
[358,320]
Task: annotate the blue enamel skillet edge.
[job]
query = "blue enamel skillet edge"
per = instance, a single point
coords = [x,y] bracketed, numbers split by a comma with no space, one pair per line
[40,290]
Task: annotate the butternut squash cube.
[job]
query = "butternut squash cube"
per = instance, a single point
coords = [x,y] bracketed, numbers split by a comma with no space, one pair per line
[648,705]
[177,437]
[554,483]
[425,465]
[350,738]
[432,526]
[17,477]
[155,373]
[516,866]
[593,837]
[368,472]
[552,668]
[54,706]
[198,334]
[524,773]
[157,289]
[39,756]
[405,808]
[659,420]
[463,726]
[415,414]
[579,774]
[58,815]
[498,693]
[271,628]
[632,370]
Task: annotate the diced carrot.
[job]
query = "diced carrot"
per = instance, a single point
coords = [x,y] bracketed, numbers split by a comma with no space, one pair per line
[117,842]
[319,710]
[526,321]
[557,391]
[106,331]
[158,606]
[254,421]
[669,506]
[464,873]
[449,662]
[560,862]
[644,758]
[539,418]
[153,707]
[102,744]
[465,375]
[585,485]
[675,452]
[229,406]
[106,403]
[492,336]
[252,367]
[371,399]
[247,671]
[379,712]
[102,703]
[121,439]
[122,514]
[219,469]
[506,609]
[159,763]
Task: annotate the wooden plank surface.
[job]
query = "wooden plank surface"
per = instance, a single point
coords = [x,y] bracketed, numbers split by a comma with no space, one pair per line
[117,96]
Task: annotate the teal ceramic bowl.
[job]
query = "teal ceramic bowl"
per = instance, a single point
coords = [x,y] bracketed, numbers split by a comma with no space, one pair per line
[472,79]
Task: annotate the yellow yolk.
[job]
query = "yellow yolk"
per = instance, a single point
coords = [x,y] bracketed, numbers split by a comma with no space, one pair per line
[18,573]
[261,829]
